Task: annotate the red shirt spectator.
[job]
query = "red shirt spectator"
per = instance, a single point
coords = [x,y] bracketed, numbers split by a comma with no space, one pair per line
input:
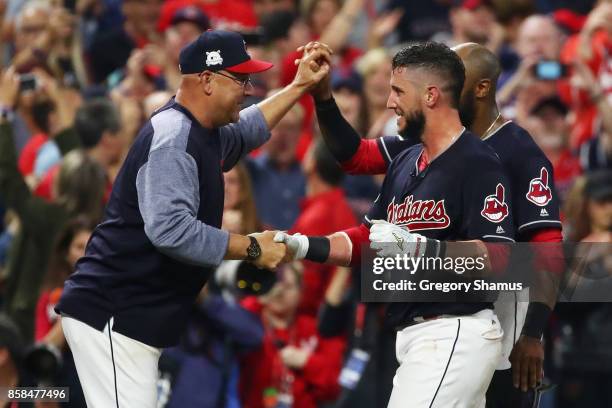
[29,153]
[45,313]
[221,13]
[294,363]
[585,119]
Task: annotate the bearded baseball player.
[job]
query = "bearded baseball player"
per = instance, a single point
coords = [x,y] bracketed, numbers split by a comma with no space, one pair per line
[447,351]
[534,203]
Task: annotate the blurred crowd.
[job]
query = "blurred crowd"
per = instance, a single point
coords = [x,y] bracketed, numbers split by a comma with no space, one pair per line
[79,78]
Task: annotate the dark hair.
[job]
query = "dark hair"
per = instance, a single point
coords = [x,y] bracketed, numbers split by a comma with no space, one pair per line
[41,111]
[11,339]
[326,165]
[438,59]
[94,118]
[59,268]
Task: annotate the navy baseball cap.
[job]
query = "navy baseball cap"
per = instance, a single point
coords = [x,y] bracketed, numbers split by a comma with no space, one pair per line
[216,50]
[191,14]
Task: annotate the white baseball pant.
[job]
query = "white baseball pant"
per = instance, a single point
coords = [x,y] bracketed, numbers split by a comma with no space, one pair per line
[446,362]
[511,309]
[114,370]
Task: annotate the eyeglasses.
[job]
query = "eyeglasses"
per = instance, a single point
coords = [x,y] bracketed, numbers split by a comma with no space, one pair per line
[242,82]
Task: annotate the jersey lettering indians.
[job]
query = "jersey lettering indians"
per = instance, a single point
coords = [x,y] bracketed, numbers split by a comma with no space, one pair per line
[461,195]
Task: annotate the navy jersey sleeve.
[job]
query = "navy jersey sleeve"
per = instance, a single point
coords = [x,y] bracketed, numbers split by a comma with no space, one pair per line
[391,146]
[535,201]
[486,203]
[378,210]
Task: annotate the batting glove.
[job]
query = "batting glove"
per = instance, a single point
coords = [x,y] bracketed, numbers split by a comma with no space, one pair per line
[389,240]
[296,243]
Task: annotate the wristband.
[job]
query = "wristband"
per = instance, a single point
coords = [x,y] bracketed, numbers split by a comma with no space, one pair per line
[536,319]
[318,249]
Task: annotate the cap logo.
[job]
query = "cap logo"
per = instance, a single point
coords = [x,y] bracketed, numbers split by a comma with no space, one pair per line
[213,58]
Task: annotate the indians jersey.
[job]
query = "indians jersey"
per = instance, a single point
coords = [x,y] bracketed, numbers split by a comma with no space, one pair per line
[463,194]
[535,204]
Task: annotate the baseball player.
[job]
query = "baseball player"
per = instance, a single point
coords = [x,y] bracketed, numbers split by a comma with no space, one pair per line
[447,351]
[160,239]
[535,205]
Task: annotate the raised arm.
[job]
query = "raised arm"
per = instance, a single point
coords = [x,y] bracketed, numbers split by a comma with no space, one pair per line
[253,128]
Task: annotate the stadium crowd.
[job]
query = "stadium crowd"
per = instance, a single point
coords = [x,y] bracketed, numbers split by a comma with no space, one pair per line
[79,78]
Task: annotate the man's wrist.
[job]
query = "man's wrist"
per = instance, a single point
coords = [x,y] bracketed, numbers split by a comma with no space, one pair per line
[253,251]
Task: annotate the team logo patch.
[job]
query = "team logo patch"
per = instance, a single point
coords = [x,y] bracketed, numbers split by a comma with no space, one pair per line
[418,215]
[539,193]
[213,58]
[495,209]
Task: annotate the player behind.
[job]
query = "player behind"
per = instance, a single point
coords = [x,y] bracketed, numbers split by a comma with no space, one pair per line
[438,174]
[535,205]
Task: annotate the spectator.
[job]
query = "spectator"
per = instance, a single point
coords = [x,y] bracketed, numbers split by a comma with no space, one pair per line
[548,126]
[591,47]
[110,49]
[375,69]
[219,331]
[348,93]
[70,246]
[265,7]
[295,365]
[278,180]
[421,20]
[239,211]
[49,110]
[11,357]
[589,208]
[474,21]
[538,39]
[98,126]
[324,211]
[79,190]
[186,25]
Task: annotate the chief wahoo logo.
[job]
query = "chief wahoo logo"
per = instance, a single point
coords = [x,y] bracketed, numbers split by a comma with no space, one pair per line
[539,193]
[495,209]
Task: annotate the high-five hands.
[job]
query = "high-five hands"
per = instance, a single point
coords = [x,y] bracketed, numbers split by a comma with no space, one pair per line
[272,252]
[297,245]
[314,67]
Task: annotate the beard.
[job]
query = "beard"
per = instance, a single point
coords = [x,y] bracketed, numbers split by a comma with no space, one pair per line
[414,127]
[467,110]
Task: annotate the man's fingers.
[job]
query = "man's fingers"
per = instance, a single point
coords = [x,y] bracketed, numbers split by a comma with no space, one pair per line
[516,372]
[533,373]
[524,374]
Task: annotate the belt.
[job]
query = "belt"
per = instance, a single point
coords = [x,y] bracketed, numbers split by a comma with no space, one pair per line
[420,319]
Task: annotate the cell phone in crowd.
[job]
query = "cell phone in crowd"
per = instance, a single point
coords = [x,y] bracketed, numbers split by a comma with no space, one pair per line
[550,70]
[27,82]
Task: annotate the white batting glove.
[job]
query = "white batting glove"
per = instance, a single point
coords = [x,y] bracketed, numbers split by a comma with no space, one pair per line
[389,240]
[296,243]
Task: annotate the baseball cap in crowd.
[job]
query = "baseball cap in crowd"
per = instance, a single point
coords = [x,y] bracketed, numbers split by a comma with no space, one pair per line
[216,50]
[191,14]
[553,102]
[344,80]
[10,338]
[473,4]
[599,185]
